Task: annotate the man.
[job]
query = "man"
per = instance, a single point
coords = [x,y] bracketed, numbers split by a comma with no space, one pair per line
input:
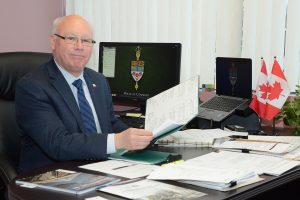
[60,120]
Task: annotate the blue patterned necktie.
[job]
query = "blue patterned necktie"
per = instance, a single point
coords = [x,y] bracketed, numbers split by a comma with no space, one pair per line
[85,109]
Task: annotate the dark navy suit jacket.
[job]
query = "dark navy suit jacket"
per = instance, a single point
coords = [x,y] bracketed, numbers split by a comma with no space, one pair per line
[49,119]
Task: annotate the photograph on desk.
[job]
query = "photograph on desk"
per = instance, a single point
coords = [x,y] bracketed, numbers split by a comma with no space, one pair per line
[67,181]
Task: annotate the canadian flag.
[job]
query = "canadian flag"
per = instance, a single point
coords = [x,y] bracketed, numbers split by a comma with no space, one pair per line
[259,101]
[270,95]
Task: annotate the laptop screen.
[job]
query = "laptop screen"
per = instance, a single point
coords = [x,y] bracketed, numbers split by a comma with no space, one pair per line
[234,77]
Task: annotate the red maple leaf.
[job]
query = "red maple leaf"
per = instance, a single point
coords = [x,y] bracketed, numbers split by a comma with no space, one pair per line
[275,91]
[264,90]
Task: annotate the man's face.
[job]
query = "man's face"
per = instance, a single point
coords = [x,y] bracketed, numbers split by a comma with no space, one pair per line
[73,57]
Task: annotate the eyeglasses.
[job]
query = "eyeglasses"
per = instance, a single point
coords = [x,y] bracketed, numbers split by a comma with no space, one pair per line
[73,40]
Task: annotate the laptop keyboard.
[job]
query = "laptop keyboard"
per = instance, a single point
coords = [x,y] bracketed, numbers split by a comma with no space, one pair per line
[222,103]
[135,122]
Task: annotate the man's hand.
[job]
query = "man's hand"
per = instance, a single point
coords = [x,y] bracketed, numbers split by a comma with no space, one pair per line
[133,139]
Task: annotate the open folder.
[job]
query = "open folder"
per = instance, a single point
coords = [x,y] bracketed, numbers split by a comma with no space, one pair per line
[172,108]
[166,113]
[145,156]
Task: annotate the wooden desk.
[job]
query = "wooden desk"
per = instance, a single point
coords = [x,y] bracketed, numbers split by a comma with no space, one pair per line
[271,188]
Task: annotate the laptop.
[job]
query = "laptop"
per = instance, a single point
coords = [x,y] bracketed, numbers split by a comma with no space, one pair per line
[233,88]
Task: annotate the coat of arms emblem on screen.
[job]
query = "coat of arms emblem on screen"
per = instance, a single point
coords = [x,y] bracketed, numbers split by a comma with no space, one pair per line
[137,67]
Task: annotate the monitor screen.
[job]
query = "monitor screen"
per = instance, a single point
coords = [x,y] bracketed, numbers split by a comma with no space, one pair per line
[138,71]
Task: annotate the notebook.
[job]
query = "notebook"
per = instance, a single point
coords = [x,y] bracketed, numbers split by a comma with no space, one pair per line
[233,88]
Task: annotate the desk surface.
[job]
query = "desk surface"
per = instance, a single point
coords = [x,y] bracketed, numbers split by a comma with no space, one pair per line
[274,186]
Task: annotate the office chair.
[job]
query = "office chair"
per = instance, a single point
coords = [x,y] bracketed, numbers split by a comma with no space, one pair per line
[13,65]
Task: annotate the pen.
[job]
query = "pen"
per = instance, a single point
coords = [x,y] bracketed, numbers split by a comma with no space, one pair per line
[247,140]
[239,136]
[123,167]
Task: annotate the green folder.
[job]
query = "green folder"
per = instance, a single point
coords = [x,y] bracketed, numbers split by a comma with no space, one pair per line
[167,133]
[145,156]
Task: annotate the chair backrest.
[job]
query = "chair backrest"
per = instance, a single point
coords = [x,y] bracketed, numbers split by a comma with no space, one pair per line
[13,65]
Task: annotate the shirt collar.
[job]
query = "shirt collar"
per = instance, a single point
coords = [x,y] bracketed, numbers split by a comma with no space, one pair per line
[68,76]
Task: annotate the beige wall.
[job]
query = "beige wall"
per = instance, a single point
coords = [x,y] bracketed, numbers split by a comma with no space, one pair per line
[25,25]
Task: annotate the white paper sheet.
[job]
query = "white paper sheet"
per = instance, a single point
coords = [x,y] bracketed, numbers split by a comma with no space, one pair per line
[148,189]
[178,104]
[121,168]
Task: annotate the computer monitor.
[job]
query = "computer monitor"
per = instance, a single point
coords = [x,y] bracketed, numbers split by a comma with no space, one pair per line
[138,71]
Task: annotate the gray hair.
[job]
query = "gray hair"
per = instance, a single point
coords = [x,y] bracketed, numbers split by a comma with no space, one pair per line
[55,24]
[58,20]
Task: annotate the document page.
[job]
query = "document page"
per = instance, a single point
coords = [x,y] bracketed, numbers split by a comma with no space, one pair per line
[167,126]
[178,104]
[194,137]
[243,144]
[217,170]
[185,171]
[286,139]
[109,53]
[148,189]
[257,146]
[261,164]
[121,168]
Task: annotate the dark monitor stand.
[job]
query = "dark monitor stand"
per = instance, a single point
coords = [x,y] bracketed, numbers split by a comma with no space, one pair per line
[250,122]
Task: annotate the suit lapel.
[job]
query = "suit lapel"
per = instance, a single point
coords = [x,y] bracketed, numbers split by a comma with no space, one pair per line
[62,87]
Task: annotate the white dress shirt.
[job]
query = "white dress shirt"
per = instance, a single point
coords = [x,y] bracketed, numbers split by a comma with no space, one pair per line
[70,79]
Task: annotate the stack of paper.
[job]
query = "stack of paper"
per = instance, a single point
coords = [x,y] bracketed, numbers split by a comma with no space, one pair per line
[265,147]
[209,177]
[224,170]
[260,164]
[294,154]
[194,137]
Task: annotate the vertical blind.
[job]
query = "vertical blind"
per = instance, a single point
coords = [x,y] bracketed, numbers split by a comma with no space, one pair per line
[205,28]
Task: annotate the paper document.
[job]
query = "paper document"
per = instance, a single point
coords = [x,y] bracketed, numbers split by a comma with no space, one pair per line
[198,173]
[194,137]
[224,188]
[286,139]
[121,168]
[224,170]
[256,146]
[166,127]
[172,108]
[294,154]
[148,189]
[260,164]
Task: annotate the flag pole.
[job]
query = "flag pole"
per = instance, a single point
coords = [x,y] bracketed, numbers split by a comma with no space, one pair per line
[274,127]
[273,124]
